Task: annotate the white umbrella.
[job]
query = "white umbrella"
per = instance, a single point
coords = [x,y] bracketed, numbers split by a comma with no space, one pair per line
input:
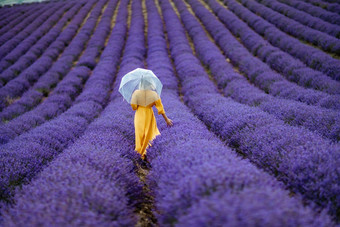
[141,87]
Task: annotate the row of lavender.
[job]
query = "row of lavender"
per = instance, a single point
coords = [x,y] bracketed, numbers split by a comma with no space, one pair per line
[43,55]
[20,105]
[37,61]
[17,34]
[133,57]
[326,122]
[34,37]
[27,154]
[303,18]
[303,160]
[10,66]
[93,179]
[70,86]
[290,67]
[312,57]
[204,160]
[314,10]
[196,179]
[260,73]
[10,13]
[333,7]
[14,15]
[80,158]
[322,40]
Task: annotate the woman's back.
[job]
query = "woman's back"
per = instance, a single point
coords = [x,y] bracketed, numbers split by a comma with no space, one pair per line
[144,97]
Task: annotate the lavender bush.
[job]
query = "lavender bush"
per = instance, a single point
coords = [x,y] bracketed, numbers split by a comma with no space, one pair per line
[10,18]
[44,65]
[257,71]
[101,157]
[324,41]
[37,46]
[20,24]
[293,69]
[296,157]
[26,155]
[256,128]
[312,57]
[45,84]
[189,172]
[68,89]
[15,36]
[333,7]
[303,18]
[326,122]
[314,10]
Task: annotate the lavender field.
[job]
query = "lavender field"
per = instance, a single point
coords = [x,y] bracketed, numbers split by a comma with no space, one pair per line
[252,87]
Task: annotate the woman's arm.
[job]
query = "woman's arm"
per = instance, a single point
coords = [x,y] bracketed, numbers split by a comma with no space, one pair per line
[160,109]
[167,120]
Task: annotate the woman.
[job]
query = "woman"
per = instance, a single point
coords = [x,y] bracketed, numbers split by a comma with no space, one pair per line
[146,129]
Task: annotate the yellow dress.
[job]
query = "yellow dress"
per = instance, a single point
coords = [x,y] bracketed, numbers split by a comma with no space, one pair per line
[145,125]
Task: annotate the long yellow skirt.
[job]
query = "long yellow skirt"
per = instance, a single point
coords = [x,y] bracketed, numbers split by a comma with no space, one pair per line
[146,126]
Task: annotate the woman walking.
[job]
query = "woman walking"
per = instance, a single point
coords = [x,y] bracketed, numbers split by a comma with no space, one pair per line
[141,88]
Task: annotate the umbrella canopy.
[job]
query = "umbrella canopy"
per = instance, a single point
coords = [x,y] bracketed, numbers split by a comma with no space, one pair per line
[141,87]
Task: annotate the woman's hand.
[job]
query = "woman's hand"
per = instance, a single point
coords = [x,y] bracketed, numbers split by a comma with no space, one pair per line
[169,122]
